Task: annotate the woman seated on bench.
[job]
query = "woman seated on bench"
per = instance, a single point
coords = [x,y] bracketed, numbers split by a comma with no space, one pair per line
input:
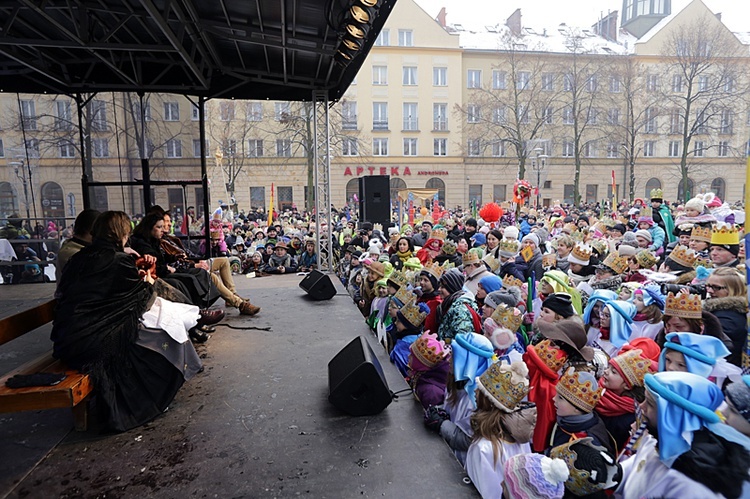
[102,298]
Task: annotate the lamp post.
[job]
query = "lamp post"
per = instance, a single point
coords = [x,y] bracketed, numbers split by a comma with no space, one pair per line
[538,163]
[18,167]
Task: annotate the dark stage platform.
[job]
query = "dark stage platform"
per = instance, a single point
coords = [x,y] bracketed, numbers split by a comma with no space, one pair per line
[255,423]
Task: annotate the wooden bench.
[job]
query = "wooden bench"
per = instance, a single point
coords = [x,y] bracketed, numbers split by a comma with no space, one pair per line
[71,392]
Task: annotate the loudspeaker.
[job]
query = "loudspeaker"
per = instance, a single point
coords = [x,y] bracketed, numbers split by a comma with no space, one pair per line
[375,199]
[318,285]
[356,384]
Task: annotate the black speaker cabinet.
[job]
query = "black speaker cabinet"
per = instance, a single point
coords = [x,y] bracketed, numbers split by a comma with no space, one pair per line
[375,199]
[318,285]
[356,384]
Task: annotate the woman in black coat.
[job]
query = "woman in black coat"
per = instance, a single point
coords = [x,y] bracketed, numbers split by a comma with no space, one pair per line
[727,300]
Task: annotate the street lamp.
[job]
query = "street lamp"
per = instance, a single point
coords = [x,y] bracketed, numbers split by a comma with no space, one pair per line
[18,167]
[538,164]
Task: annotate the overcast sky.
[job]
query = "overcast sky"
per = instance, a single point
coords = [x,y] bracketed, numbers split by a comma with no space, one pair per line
[550,13]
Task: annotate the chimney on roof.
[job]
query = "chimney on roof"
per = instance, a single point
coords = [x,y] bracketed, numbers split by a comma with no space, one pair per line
[606,27]
[514,22]
[441,17]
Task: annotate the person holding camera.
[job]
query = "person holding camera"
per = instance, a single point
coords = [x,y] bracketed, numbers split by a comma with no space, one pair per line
[727,300]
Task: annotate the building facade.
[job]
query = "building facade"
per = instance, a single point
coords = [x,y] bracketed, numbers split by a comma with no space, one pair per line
[434,106]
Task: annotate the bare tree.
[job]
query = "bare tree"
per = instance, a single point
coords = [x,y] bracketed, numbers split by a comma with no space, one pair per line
[702,92]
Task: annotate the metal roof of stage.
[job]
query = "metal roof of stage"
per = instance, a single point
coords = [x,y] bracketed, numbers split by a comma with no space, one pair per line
[245,49]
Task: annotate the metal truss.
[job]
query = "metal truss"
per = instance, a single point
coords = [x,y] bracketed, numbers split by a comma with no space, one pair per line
[322,174]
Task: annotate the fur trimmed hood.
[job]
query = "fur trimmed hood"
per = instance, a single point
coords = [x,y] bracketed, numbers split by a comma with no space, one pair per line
[734,303]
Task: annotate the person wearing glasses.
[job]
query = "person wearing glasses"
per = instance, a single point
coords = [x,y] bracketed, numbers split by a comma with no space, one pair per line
[727,300]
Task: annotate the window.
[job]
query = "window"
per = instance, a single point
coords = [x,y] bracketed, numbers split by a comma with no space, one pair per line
[498,80]
[613,150]
[701,123]
[568,82]
[498,149]
[675,122]
[67,149]
[380,147]
[699,148]
[568,149]
[226,111]
[197,147]
[254,111]
[258,198]
[522,80]
[592,193]
[726,121]
[569,194]
[650,120]
[286,197]
[405,38]
[2,149]
[648,148]
[592,116]
[380,116]
[729,85]
[613,116]
[591,149]
[150,148]
[282,111]
[409,75]
[475,195]
[498,115]
[146,111]
[283,148]
[472,113]
[229,147]
[440,147]
[548,115]
[28,114]
[439,117]
[194,110]
[32,147]
[474,78]
[614,83]
[747,148]
[440,77]
[567,115]
[410,147]
[674,148]
[723,149]
[100,148]
[702,83]
[436,183]
[592,83]
[174,148]
[411,121]
[99,115]
[499,193]
[384,38]
[523,114]
[349,115]
[380,75]
[653,183]
[473,147]
[677,83]
[548,82]
[349,146]
[63,115]
[254,148]
[652,83]
[718,187]
[171,111]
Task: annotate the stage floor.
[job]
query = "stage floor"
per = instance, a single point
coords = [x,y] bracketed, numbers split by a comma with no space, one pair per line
[255,423]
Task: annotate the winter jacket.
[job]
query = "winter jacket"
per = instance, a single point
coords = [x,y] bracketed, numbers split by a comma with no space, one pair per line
[532,268]
[731,312]
[510,268]
[429,386]
[458,318]
[657,237]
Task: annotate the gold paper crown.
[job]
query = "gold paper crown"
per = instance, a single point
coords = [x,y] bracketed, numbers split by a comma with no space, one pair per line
[440,233]
[633,366]
[578,236]
[580,389]
[434,269]
[582,252]
[703,262]
[549,260]
[569,228]
[508,317]
[509,281]
[403,295]
[412,313]
[646,259]
[608,222]
[600,247]
[617,263]
[474,255]
[727,234]
[552,357]
[429,350]
[601,227]
[492,262]
[508,246]
[683,256]
[377,227]
[657,194]
[581,482]
[399,279]
[701,234]
[684,305]
[505,385]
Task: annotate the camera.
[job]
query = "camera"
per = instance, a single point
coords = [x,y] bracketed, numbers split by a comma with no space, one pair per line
[693,289]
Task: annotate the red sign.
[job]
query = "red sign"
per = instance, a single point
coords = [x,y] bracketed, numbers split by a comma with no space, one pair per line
[382,170]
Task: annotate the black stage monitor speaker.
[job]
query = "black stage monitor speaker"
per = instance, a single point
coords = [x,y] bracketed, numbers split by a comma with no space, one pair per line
[375,199]
[318,285]
[356,384]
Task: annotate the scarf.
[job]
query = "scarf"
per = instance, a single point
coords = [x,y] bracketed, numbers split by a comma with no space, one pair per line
[604,331]
[542,382]
[403,256]
[640,316]
[611,405]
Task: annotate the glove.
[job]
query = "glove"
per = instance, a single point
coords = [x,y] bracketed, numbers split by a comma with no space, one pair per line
[528,318]
[434,417]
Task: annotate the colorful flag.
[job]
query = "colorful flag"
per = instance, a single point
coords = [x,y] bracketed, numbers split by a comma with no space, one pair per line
[270,208]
